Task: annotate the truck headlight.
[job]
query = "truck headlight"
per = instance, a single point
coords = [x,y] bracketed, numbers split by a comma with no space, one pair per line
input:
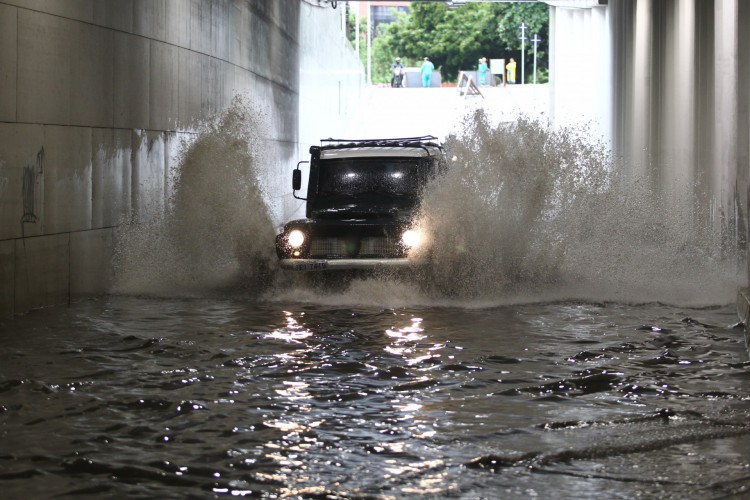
[295,238]
[411,238]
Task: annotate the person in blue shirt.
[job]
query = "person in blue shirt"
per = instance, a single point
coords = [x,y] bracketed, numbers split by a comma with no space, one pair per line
[482,71]
[426,69]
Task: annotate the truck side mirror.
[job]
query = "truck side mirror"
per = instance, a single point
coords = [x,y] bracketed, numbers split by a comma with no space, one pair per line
[297,180]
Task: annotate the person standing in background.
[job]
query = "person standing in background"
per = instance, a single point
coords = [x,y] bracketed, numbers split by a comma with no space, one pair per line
[482,71]
[426,70]
[511,68]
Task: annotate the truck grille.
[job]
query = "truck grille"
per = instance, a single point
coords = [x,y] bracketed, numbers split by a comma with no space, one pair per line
[348,248]
[328,248]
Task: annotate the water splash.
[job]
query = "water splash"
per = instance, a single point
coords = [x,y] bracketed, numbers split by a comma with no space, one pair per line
[528,211]
[216,232]
[525,214]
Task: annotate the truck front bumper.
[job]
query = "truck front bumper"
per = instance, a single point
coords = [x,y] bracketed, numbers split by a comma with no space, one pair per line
[347,264]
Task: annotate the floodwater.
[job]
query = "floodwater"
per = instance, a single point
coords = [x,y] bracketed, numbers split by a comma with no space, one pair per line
[188,398]
[573,337]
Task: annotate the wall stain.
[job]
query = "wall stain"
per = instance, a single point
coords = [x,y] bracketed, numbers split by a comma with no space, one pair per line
[30,173]
[3,182]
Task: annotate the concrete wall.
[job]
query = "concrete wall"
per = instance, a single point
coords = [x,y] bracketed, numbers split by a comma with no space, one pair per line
[678,113]
[581,88]
[95,97]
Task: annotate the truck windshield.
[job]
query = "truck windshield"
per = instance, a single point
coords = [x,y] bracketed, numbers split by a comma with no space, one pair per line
[384,176]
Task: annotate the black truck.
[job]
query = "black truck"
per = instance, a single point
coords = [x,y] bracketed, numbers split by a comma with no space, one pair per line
[362,196]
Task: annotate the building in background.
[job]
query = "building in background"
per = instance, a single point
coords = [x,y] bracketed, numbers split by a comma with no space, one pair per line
[382,12]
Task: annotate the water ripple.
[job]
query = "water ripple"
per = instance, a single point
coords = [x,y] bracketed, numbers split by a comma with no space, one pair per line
[277,400]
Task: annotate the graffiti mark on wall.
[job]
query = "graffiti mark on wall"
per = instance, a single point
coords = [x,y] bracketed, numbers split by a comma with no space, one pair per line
[30,175]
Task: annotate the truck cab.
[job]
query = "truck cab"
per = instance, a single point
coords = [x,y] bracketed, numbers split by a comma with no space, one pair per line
[362,196]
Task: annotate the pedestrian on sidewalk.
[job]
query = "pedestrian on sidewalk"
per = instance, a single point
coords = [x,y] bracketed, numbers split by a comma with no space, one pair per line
[427,69]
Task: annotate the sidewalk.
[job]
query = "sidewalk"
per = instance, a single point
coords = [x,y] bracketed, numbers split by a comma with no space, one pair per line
[409,112]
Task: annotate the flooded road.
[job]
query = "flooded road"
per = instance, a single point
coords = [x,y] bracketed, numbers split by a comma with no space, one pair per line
[191,398]
[533,358]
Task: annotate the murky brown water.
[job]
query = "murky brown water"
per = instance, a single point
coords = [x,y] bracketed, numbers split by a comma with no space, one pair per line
[175,398]
[482,378]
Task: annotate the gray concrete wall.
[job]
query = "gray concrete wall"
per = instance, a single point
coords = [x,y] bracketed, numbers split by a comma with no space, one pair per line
[95,97]
[684,104]
[670,94]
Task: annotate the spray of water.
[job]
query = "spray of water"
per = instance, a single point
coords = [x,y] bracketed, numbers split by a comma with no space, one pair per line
[530,212]
[524,213]
[216,232]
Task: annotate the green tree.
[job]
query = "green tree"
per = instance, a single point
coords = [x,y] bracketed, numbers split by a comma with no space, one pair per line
[454,39]
[536,18]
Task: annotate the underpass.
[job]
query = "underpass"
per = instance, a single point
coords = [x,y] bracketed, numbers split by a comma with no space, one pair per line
[97,98]
[578,354]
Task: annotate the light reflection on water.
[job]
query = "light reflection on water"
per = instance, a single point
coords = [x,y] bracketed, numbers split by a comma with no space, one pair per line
[171,398]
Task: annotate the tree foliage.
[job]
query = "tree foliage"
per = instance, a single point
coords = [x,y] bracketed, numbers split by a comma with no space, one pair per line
[455,39]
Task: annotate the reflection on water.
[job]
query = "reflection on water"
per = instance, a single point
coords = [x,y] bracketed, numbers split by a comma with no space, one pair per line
[176,398]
